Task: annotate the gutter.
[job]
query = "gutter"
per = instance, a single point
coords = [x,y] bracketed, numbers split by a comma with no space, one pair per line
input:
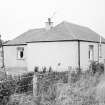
[14,44]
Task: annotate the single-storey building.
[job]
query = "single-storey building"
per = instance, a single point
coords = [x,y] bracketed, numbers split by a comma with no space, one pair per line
[65,44]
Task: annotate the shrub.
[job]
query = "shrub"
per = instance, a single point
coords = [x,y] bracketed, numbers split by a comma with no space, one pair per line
[12,85]
[6,89]
[97,67]
[25,83]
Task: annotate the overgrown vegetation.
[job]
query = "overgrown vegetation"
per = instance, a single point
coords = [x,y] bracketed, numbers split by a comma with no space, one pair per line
[7,88]
[97,67]
[54,88]
[79,88]
[17,84]
[46,86]
[25,83]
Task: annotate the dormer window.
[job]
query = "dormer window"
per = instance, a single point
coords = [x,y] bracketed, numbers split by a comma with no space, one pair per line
[20,52]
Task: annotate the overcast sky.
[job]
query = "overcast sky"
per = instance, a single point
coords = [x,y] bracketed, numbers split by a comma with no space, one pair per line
[18,16]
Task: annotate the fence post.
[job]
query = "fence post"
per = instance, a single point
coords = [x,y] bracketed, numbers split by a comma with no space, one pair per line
[35,82]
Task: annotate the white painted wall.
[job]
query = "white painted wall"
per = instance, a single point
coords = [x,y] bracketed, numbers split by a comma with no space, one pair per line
[10,57]
[84,53]
[51,54]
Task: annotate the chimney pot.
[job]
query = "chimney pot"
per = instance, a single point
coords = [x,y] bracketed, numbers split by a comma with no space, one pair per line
[49,24]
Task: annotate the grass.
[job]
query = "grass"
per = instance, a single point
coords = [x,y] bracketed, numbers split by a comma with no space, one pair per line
[21,99]
[81,88]
[65,88]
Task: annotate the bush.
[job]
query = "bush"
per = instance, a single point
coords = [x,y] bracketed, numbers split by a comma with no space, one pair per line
[25,83]
[97,67]
[6,89]
[12,85]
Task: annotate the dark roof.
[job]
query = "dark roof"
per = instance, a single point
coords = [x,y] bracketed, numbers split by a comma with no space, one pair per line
[64,31]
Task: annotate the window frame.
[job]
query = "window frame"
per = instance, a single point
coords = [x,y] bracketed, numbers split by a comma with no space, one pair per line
[100,50]
[19,49]
[91,48]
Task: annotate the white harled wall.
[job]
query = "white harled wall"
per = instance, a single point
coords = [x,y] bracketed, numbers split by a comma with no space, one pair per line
[84,53]
[52,54]
[10,57]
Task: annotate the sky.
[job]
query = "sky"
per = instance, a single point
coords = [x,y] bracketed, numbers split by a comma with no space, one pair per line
[19,16]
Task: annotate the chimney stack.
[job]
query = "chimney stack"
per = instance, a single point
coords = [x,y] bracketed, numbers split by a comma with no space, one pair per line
[49,24]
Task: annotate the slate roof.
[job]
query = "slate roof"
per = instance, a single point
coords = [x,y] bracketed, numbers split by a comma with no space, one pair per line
[64,31]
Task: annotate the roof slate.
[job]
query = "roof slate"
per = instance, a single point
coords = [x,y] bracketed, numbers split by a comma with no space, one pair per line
[64,31]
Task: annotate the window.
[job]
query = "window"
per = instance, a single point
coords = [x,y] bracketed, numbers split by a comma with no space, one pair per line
[91,52]
[20,53]
[100,51]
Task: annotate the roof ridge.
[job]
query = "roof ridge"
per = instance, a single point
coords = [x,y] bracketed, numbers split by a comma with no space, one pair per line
[63,31]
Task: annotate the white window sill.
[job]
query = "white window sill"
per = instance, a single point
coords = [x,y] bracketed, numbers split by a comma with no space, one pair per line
[20,59]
